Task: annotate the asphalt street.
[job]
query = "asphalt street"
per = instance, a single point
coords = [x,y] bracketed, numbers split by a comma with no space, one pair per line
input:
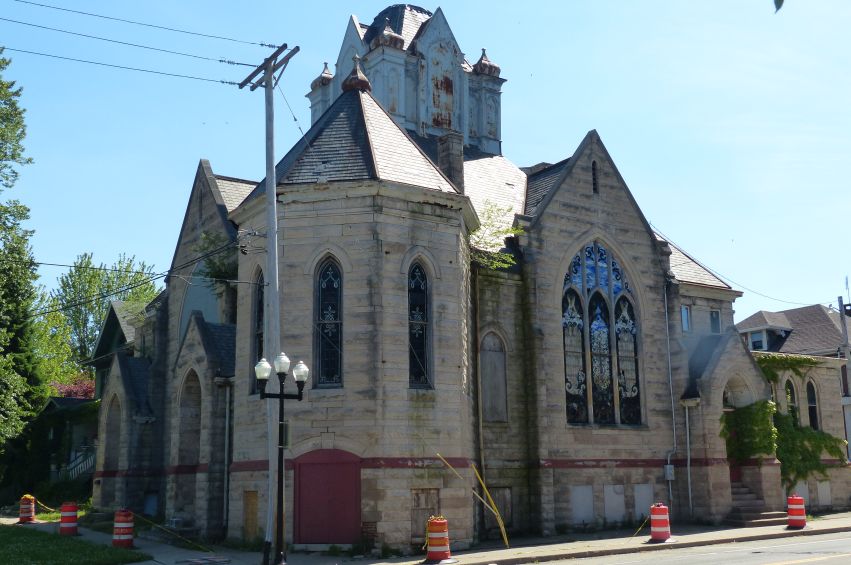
[828,549]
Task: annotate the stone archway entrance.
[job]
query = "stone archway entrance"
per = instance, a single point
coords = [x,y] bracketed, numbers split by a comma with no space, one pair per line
[736,395]
[327,497]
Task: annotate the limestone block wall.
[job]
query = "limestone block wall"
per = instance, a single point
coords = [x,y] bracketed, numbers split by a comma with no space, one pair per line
[375,232]
[575,216]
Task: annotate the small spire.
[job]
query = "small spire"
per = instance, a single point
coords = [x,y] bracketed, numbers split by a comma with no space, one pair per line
[388,37]
[356,79]
[485,66]
[324,78]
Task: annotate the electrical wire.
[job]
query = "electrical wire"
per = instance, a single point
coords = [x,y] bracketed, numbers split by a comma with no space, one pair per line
[150,279]
[227,82]
[728,279]
[176,30]
[221,60]
[298,125]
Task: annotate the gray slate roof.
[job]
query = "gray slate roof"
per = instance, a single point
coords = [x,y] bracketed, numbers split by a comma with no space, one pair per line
[355,139]
[405,19]
[233,190]
[124,314]
[540,183]
[136,374]
[688,270]
[762,320]
[223,342]
[815,330]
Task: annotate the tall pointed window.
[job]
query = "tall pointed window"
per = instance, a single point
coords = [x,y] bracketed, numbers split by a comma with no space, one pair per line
[418,328]
[600,333]
[328,326]
[791,401]
[259,320]
[812,405]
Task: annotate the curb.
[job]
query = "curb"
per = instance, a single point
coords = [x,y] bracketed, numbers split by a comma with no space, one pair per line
[583,554]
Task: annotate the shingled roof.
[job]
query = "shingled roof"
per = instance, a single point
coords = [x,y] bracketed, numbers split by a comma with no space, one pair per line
[809,330]
[404,19]
[356,139]
[233,190]
[689,270]
[540,182]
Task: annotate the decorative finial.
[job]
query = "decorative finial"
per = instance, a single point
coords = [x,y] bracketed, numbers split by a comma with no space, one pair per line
[324,78]
[485,66]
[356,79]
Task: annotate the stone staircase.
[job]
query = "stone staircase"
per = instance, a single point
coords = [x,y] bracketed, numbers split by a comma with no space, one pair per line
[749,511]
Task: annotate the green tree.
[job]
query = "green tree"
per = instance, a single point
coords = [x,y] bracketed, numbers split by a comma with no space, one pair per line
[85,291]
[12,129]
[56,361]
[487,243]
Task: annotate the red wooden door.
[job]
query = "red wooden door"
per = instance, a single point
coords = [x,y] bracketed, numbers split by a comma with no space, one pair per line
[327,497]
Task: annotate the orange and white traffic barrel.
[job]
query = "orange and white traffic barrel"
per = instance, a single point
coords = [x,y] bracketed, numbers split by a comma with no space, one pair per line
[660,526]
[68,519]
[27,509]
[796,512]
[122,530]
[438,540]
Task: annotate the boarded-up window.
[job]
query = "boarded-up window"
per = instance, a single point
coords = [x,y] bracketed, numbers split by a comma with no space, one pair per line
[502,498]
[494,386]
[425,502]
[249,515]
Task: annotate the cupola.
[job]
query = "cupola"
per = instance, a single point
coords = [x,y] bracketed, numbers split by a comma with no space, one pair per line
[356,79]
[485,66]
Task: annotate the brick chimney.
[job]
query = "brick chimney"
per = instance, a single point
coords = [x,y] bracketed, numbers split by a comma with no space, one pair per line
[450,158]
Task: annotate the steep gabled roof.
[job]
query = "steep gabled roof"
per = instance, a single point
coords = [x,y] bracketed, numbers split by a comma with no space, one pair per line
[135,374]
[765,320]
[116,328]
[356,139]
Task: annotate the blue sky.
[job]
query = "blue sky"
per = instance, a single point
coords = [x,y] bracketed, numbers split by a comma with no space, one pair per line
[729,123]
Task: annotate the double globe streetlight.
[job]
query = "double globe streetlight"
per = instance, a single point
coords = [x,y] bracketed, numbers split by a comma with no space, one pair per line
[262,370]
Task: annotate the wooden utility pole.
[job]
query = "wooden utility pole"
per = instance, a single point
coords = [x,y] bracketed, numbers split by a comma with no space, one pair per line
[272,331]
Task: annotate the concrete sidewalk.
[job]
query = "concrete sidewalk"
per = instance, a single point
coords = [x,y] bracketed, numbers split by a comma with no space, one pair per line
[524,550]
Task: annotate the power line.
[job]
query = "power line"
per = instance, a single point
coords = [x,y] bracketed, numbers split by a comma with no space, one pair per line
[221,60]
[150,279]
[728,279]
[298,125]
[176,30]
[227,82]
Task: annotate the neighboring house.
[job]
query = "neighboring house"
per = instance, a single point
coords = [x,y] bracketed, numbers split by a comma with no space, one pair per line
[566,379]
[822,399]
[71,429]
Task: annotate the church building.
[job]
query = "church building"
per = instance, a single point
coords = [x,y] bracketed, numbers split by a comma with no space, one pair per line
[585,381]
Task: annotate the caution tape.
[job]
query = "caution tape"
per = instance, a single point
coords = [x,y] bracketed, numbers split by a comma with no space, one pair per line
[172,532]
[640,527]
[43,505]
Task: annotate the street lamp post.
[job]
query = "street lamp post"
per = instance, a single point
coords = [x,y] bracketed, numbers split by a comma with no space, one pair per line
[262,370]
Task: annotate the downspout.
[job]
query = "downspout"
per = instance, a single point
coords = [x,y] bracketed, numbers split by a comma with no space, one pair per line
[687,403]
[478,369]
[669,475]
[227,458]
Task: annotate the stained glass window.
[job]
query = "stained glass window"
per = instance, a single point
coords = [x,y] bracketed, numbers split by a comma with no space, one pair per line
[574,357]
[259,308]
[600,341]
[418,330]
[626,340]
[328,326]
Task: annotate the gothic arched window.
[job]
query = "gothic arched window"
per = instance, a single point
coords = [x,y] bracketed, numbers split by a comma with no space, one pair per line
[494,385]
[418,328]
[812,405]
[600,332]
[257,337]
[328,326]
[791,401]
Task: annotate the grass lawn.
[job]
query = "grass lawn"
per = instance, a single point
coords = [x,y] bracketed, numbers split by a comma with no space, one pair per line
[30,547]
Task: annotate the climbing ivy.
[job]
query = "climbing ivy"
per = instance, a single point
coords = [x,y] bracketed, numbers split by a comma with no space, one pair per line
[749,431]
[773,364]
[800,448]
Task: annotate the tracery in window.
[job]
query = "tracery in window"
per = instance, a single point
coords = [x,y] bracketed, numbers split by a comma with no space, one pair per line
[418,328]
[791,401]
[602,337]
[574,358]
[328,326]
[627,346]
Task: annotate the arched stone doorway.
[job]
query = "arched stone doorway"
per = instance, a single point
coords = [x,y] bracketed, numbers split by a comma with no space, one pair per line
[189,446]
[736,395]
[112,452]
[327,497]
